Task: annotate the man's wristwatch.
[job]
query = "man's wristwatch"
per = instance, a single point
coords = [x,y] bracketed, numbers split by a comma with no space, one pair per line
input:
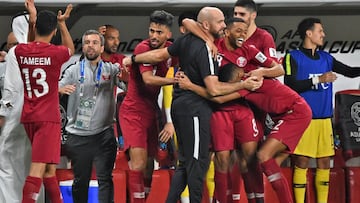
[133,58]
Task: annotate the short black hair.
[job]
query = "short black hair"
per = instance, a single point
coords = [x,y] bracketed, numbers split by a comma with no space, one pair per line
[306,24]
[108,26]
[46,22]
[230,21]
[248,4]
[186,14]
[162,17]
[226,72]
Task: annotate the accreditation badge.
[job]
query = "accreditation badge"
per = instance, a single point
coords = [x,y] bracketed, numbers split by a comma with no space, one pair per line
[85,113]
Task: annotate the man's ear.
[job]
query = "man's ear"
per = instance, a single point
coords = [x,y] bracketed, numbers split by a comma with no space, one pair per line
[308,33]
[206,25]
[54,32]
[226,32]
[253,15]
[169,35]
[240,74]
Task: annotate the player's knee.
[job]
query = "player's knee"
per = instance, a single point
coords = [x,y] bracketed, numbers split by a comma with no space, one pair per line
[138,164]
[263,156]
[222,161]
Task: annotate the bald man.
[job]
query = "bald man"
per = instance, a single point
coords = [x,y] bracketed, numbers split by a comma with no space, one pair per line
[15,148]
[190,112]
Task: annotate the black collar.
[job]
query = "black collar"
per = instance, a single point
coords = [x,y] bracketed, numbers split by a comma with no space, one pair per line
[308,52]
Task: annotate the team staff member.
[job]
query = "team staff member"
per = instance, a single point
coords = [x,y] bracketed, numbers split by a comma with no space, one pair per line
[91,107]
[40,63]
[138,112]
[310,72]
[192,120]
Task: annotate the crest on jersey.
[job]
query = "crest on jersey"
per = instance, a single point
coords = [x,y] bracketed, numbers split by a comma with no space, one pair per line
[241,61]
[355,113]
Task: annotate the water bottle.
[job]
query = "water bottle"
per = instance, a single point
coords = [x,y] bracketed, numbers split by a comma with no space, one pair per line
[121,142]
[162,153]
[337,141]
[163,145]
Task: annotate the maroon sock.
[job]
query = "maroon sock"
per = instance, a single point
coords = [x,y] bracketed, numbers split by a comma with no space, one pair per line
[31,189]
[248,184]
[236,183]
[136,187]
[52,188]
[257,182]
[229,187]
[221,185]
[277,180]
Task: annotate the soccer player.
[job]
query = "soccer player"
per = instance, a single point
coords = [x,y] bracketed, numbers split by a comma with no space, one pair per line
[110,54]
[39,63]
[138,112]
[194,118]
[233,49]
[289,111]
[262,40]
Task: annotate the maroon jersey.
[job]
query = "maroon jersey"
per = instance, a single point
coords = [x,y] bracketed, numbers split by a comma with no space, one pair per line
[245,56]
[142,98]
[272,97]
[40,65]
[263,41]
[118,58]
[115,58]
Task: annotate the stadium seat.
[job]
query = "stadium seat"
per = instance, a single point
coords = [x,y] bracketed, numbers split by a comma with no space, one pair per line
[119,179]
[160,186]
[353,184]
[121,161]
[337,186]
[270,194]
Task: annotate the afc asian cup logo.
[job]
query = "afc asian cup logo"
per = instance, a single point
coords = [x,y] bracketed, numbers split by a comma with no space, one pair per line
[241,62]
[355,113]
[63,124]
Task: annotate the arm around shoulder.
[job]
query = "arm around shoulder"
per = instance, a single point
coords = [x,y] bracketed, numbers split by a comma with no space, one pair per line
[153,56]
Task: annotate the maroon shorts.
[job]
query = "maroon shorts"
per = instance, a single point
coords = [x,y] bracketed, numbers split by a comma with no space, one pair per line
[289,127]
[232,128]
[140,131]
[45,138]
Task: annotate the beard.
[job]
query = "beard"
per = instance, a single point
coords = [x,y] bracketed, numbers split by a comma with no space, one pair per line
[110,50]
[92,57]
[217,34]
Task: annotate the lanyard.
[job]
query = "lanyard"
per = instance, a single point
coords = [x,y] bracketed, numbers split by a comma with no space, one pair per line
[82,78]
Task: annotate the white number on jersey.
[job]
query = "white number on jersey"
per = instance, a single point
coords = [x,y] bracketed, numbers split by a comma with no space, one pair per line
[40,76]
